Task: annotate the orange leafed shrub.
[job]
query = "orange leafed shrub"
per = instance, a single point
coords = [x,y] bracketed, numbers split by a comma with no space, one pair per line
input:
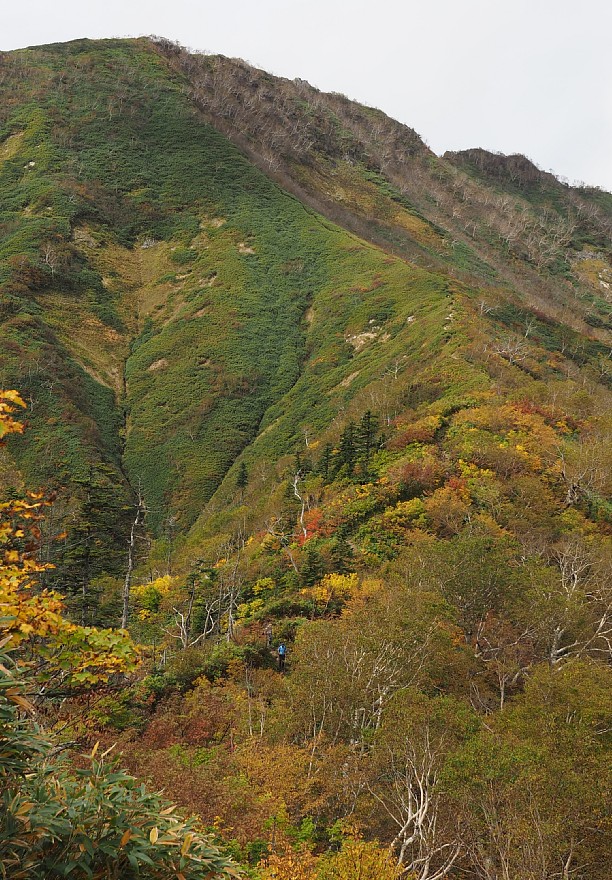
[448,508]
[423,431]
[418,476]
[289,865]
[359,859]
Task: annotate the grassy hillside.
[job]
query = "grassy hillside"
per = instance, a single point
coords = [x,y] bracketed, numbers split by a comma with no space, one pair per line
[166,303]
[177,292]
[161,258]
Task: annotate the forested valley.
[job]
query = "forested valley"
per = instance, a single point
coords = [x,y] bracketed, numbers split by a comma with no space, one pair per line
[276,376]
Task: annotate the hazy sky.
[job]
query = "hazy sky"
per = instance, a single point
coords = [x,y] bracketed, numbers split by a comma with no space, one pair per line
[528,76]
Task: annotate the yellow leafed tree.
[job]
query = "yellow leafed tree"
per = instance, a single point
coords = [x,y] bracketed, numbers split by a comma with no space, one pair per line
[64,654]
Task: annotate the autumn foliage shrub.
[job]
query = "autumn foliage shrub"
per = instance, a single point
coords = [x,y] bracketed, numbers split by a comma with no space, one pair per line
[418,476]
[422,431]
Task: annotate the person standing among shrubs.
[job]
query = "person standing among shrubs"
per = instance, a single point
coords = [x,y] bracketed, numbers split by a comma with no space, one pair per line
[282,654]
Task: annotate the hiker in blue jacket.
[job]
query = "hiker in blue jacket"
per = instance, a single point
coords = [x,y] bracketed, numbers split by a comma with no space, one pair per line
[282,654]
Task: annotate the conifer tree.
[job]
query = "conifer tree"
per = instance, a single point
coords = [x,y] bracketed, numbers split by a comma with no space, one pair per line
[313,567]
[324,465]
[94,544]
[365,440]
[242,479]
[345,460]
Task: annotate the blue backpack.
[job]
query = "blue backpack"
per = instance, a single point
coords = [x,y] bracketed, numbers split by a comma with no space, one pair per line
[282,650]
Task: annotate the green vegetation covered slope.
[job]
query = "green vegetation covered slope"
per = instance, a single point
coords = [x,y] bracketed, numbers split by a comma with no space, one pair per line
[474,214]
[152,276]
[165,302]
[167,305]
[145,233]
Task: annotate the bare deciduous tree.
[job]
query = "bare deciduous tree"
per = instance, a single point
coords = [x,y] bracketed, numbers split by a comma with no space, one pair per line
[136,523]
[407,790]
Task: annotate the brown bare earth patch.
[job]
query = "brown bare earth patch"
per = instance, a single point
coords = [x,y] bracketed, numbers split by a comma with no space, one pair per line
[11,145]
[157,365]
[360,340]
[346,382]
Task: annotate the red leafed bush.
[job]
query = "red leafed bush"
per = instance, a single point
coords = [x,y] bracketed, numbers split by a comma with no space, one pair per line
[416,477]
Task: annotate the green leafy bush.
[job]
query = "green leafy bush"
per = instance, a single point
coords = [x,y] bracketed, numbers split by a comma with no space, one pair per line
[95,822]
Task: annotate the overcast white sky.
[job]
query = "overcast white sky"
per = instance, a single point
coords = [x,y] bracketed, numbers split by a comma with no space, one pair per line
[528,76]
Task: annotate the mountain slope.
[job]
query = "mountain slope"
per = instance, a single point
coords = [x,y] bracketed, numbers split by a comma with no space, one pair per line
[377,176]
[167,305]
[212,297]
